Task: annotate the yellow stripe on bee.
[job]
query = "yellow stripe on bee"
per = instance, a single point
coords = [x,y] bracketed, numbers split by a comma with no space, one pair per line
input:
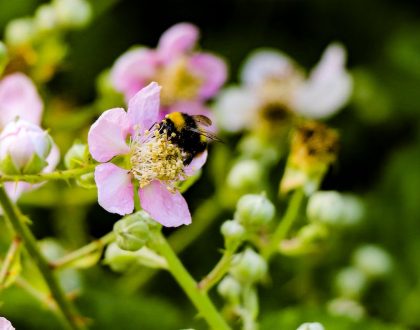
[203,138]
[178,120]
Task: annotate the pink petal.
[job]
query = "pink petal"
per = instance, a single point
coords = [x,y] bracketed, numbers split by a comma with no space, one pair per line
[266,64]
[211,70]
[15,189]
[177,40]
[5,324]
[52,159]
[115,190]
[19,98]
[133,70]
[236,108]
[169,209]
[143,108]
[328,88]
[196,163]
[107,136]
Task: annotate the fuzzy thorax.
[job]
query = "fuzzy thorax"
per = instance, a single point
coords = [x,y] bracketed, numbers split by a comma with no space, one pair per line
[155,157]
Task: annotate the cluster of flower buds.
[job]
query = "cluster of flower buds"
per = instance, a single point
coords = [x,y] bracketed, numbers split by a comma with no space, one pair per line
[369,263]
[36,44]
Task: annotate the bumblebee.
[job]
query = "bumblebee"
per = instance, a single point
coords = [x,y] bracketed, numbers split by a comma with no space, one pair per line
[188,133]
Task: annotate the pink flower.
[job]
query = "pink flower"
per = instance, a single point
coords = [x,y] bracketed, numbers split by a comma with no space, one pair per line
[146,156]
[19,99]
[185,75]
[5,324]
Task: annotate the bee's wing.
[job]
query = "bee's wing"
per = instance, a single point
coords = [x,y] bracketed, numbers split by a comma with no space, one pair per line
[205,133]
[203,120]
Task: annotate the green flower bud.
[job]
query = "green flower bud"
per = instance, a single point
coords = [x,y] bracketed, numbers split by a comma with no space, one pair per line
[311,326]
[76,156]
[4,58]
[19,31]
[72,13]
[333,208]
[350,282]
[233,232]
[246,175]
[312,234]
[346,307]
[45,18]
[229,288]
[248,267]
[373,261]
[118,259]
[133,231]
[254,211]
[86,181]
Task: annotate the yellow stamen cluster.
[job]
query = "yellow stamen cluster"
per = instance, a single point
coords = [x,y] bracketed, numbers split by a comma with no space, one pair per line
[313,144]
[155,157]
[178,83]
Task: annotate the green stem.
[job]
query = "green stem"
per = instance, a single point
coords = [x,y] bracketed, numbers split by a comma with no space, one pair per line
[18,223]
[40,177]
[38,295]
[200,299]
[284,225]
[221,268]
[94,246]
[12,253]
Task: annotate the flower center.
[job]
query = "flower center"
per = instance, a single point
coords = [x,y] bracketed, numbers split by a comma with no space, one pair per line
[179,83]
[155,157]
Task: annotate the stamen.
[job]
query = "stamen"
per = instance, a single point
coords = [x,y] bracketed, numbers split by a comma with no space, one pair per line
[155,157]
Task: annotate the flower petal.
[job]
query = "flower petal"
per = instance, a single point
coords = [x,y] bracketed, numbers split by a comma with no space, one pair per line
[143,108]
[115,190]
[169,209]
[177,40]
[19,98]
[236,109]
[107,135]
[196,163]
[211,70]
[133,70]
[5,324]
[328,88]
[266,64]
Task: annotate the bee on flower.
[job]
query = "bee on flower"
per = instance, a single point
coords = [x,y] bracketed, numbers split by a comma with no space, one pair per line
[138,149]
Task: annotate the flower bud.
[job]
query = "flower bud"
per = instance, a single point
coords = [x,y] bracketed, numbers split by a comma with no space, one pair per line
[76,156]
[19,31]
[350,282]
[346,307]
[86,181]
[4,58]
[248,267]
[373,261]
[133,231]
[311,326]
[118,259]
[229,288]
[24,148]
[72,13]
[233,232]
[246,175]
[45,18]
[254,211]
[333,208]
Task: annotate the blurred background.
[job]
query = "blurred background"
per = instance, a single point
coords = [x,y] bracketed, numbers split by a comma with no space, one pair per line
[379,158]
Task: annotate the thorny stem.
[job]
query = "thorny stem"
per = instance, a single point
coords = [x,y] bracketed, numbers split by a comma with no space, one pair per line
[40,296]
[74,321]
[41,177]
[200,299]
[94,246]
[12,253]
[284,225]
